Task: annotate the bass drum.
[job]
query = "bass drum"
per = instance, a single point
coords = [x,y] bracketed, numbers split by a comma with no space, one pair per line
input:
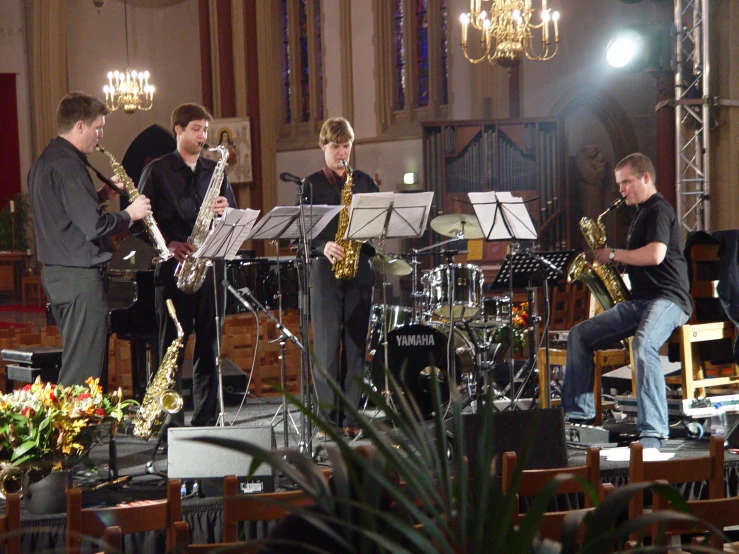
[416,354]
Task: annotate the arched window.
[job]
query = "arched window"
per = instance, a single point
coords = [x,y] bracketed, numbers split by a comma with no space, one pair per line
[412,54]
[302,72]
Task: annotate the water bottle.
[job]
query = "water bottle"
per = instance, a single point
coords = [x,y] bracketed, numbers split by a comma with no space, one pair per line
[718,420]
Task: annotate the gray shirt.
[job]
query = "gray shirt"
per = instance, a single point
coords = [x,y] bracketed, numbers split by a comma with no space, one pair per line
[69,222]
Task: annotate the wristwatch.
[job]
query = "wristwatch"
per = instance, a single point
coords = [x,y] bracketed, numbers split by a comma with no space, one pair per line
[612,255]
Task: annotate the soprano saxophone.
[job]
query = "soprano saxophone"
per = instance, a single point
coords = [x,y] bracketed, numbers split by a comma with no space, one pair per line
[347,267]
[149,222]
[161,398]
[190,273]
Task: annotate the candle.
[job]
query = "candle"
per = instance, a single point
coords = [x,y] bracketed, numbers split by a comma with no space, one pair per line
[465,20]
[12,207]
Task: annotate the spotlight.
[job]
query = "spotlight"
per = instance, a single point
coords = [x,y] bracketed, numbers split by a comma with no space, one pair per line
[635,48]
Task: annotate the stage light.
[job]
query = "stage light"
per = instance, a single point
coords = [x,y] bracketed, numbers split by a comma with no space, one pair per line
[409,178]
[636,48]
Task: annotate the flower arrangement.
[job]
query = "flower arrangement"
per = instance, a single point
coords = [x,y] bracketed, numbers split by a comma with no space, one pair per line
[520,317]
[46,423]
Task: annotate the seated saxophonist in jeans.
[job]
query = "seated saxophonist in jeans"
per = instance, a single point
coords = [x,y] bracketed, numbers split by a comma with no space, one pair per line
[660,302]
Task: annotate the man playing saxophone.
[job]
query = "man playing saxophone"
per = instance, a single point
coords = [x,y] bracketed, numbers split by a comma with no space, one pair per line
[177,183]
[74,235]
[660,302]
[340,307]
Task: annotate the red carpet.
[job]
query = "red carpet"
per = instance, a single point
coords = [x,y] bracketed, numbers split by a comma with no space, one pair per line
[28,308]
[8,325]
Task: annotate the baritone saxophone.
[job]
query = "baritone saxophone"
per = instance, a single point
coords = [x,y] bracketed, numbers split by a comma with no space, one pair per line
[347,267]
[603,280]
[150,223]
[161,398]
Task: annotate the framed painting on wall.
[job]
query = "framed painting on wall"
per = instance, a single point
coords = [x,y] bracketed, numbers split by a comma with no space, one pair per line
[234,133]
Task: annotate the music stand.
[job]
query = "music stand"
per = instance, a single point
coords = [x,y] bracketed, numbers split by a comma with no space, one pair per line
[223,243]
[530,269]
[289,222]
[383,215]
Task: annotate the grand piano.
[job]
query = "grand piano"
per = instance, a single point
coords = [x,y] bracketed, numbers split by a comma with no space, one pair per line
[131,304]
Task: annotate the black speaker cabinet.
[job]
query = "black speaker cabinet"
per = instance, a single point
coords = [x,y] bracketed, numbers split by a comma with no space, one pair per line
[207,464]
[510,431]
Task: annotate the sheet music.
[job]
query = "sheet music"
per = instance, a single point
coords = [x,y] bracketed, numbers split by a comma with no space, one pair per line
[410,214]
[367,215]
[502,216]
[225,239]
[283,221]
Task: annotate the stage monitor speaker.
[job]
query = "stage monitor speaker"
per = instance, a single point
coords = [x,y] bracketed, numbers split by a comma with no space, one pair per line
[207,464]
[510,431]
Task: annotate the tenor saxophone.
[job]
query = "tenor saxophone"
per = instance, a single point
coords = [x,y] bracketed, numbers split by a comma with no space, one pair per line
[161,398]
[604,282]
[190,273]
[149,222]
[346,268]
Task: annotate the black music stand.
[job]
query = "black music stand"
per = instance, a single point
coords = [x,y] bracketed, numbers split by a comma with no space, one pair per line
[531,269]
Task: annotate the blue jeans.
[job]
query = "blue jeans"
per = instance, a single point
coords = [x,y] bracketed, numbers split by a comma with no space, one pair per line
[650,322]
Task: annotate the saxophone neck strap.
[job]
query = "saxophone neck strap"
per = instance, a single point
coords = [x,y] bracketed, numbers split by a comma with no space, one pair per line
[103,179]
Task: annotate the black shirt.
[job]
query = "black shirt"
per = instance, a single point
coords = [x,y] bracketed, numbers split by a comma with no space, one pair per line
[71,226]
[324,187]
[655,221]
[176,192]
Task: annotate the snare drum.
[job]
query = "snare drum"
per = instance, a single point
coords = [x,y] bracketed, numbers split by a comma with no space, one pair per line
[467,282]
[496,309]
[395,316]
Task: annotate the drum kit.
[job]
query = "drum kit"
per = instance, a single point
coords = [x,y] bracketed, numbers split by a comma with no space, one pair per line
[412,342]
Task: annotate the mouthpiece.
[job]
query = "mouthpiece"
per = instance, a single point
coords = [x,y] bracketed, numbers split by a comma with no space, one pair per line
[342,163]
[99,148]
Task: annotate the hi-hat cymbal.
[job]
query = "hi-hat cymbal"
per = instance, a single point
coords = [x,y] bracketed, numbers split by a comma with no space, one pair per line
[450,225]
[385,263]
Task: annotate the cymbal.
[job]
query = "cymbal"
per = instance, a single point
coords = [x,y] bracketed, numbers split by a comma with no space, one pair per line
[450,225]
[385,263]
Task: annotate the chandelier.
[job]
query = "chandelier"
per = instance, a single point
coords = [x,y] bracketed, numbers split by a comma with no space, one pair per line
[129,90]
[507,31]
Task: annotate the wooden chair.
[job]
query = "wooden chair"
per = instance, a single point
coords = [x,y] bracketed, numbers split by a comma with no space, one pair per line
[693,378]
[271,506]
[534,480]
[683,470]
[10,524]
[113,523]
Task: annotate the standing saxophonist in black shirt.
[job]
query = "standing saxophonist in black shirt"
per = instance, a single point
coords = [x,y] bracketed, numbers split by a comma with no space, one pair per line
[340,309]
[74,235]
[177,183]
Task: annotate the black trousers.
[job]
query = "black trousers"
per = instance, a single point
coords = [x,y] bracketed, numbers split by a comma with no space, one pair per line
[196,313]
[80,308]
[340,315]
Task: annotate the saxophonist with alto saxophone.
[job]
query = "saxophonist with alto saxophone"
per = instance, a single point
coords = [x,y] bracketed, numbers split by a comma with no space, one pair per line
[178,184]
[341,279]
[660,302]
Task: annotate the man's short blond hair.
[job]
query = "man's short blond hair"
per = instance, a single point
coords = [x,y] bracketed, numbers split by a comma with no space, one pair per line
[337,130]
[639,164]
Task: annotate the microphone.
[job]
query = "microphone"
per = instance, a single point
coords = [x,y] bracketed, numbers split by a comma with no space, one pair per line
[290,178]
[238,294]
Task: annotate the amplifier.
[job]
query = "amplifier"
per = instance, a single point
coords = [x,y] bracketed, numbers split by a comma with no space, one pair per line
[587,434]
[207,464]
[35,356]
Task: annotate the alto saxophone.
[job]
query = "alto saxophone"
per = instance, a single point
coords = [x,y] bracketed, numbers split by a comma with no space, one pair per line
[604,282]
[161,398]
[149,222]
[190,273]
[346,268]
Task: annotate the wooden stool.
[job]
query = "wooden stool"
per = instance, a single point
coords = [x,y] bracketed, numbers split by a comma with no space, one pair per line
[32,289]
[604,359]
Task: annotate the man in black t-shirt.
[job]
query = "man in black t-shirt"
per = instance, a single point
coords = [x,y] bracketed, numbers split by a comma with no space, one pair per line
[660,302]
[340,309]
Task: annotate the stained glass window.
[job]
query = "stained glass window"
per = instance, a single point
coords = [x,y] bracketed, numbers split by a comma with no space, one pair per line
[286,58]
[319,66]
[422,52]
[444,55]
[304,61]
[399,55]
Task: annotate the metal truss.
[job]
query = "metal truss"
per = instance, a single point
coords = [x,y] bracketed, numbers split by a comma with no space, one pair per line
[692,114]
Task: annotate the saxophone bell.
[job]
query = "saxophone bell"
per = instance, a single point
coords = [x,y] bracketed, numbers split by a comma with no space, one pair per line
[171,402]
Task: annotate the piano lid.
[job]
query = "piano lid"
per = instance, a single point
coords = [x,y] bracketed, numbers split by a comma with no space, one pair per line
[132,255]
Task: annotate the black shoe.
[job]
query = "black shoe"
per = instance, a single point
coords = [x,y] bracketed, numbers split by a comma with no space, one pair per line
[579,421]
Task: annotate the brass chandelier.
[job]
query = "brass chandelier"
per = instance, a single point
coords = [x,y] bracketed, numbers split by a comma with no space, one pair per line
[129,90]
[507,31]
